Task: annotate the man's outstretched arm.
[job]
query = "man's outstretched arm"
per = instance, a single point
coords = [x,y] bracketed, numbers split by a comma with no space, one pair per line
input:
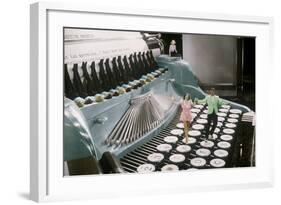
[222,102]
[203,101]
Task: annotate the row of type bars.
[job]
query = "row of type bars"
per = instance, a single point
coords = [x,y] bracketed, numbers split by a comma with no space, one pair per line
[122,71]
[137,157]
[143,114]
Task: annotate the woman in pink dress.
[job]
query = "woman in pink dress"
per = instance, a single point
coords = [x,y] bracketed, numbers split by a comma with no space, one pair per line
[186,116]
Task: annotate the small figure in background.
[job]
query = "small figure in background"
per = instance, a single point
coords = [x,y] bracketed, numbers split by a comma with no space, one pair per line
[186,116]
[173,48]
[214,102]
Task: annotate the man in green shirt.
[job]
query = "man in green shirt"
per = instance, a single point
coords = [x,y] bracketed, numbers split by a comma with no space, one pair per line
[214,102]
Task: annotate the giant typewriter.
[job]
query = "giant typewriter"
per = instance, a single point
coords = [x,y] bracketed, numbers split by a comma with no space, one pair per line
[125,97]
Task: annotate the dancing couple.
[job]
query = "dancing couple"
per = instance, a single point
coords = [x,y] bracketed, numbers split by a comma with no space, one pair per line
[213,102]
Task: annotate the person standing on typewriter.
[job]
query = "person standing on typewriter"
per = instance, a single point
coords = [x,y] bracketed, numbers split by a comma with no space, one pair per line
[186,116]
[214,102]
[173,49]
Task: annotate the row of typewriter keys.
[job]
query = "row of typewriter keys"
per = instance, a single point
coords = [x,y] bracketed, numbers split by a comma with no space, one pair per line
[121,72]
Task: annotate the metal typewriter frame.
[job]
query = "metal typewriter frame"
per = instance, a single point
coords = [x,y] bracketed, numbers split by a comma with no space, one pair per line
[39,138]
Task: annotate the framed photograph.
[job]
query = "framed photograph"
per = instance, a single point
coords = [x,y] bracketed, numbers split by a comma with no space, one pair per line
[131,102]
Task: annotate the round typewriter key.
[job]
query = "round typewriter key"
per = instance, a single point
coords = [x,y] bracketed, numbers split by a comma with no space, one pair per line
[194,133]
[234,116]
[195,110]
[207,143]
[143,77]
[217,162]
[155,74]
[205,111]
[171,139]
[224,145]
[133,85]
[226,137]
[191,140]
[223,110]
[79,101]
[230,125]
[221,114]
[226,106]
[183,148]
[138,83]
[221,153]
[146,168]
[204,116]
[235,111]
[114,92]
[198,127]
[155,157]
[178,132]
[89,100]
[221,119]
[128,88]
[203,152]
[107,95]
[148,80]
[121,90]
[170,167]
[198,162]
[142,81]
[198,106]
[202,121]
[164,148]
[150,76]
[232,120]
[180,125]
[228,131]
[177,158]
